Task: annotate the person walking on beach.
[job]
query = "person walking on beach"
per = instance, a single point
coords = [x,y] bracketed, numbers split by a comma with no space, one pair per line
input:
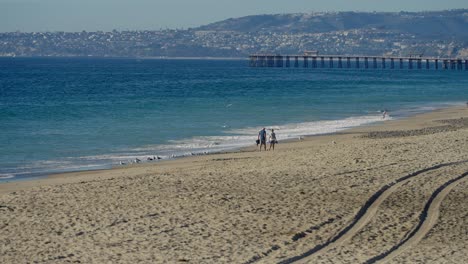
[385,114]
[262,137]
[272,139]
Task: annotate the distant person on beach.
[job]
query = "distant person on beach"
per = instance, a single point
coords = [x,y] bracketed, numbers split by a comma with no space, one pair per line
[262,138]
[385,114]
[272,139]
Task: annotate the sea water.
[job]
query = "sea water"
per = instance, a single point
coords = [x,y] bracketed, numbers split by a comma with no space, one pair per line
[69,114]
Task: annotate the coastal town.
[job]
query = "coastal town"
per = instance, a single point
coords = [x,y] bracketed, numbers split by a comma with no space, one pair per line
[200,43]
[237,38]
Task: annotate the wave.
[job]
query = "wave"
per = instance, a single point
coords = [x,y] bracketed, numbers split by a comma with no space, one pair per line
[6,176]
[234,139]
[312,128]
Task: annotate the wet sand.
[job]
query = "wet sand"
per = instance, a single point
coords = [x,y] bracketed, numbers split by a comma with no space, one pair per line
[394,192]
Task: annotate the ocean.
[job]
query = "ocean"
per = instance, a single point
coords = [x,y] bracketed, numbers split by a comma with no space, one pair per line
[71,114]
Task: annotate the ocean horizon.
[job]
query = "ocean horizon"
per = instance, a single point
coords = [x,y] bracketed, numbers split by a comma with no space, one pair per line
[70,114]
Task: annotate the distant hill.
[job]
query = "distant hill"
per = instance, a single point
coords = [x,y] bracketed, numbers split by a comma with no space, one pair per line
[452,23]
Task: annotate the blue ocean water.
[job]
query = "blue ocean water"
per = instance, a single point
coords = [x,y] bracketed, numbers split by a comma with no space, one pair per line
[67,114]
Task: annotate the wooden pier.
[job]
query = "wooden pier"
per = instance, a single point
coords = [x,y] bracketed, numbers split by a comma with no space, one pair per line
[307,60]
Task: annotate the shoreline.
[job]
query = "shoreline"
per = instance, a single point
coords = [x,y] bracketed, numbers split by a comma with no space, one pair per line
[37,176]
[352,196]
[43,175]
[51,177]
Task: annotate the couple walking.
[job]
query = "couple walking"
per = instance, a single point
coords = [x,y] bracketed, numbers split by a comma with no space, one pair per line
[262,135]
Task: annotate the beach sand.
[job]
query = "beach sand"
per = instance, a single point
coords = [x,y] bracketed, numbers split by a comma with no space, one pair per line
[393,192]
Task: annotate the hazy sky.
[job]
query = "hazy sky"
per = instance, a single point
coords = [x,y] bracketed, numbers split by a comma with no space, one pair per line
[91,15]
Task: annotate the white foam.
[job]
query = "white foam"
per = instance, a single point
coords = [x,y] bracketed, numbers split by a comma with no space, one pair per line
[119,157]
[231,139]
[312,128]
[237,138]
[6,176]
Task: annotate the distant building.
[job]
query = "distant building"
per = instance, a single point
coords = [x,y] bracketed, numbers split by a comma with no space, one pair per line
[311,53]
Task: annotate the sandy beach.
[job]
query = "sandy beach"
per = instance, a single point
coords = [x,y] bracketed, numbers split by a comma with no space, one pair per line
[393,192]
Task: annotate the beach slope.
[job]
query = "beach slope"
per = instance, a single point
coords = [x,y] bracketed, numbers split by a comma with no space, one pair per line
[393,192]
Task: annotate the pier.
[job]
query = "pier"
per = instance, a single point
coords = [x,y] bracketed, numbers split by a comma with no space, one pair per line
[314,60]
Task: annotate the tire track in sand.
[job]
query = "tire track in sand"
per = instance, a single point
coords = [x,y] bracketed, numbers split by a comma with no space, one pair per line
[364,215]
[427,219]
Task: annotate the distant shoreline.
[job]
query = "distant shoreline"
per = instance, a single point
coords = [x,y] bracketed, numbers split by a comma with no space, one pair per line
[129,58]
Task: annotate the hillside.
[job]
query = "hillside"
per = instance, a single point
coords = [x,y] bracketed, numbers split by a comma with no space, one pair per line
[429,24]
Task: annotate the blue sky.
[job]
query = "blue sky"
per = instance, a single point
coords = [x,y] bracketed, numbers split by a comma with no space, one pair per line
[91,15]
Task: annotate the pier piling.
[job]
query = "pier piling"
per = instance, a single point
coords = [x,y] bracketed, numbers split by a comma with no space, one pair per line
[271,61]
[278,60]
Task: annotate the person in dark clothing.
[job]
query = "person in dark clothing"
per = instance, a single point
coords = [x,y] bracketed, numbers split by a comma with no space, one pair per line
[262,135]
